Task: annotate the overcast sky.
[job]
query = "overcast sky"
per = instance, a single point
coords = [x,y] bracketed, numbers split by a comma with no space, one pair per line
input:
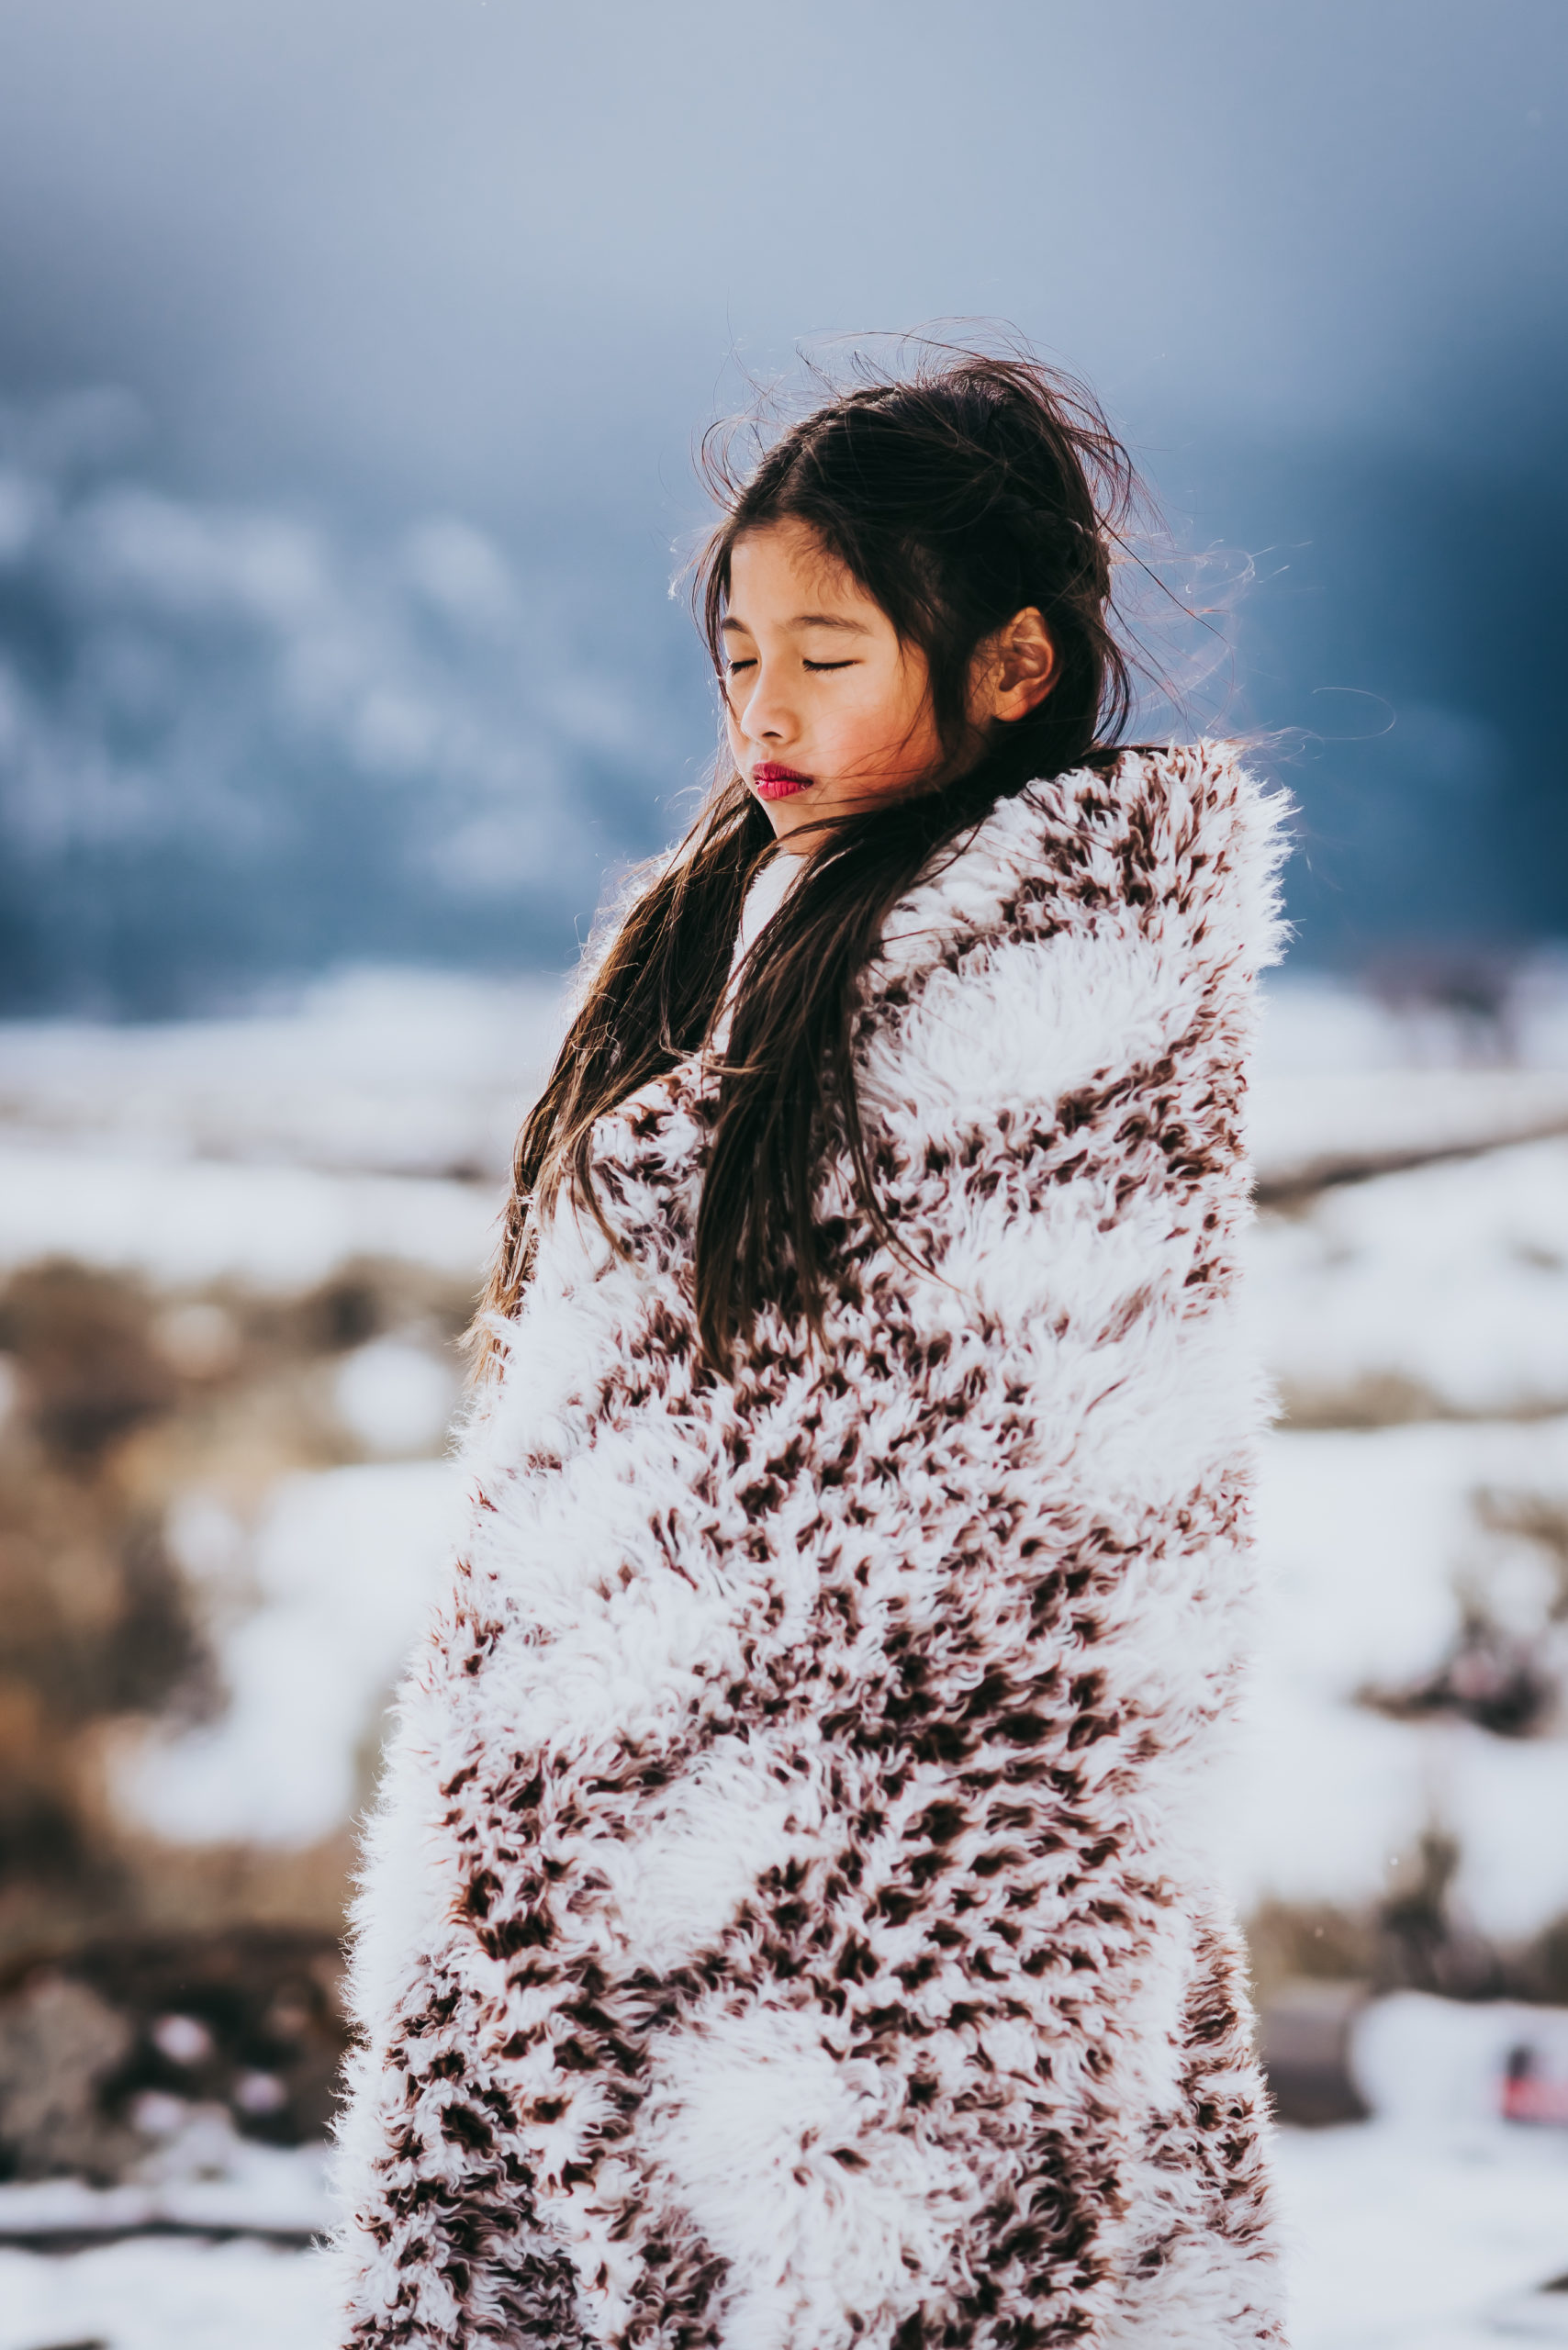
[380,277]
[410,243]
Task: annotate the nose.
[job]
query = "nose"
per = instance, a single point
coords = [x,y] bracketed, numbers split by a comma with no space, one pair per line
[765,716]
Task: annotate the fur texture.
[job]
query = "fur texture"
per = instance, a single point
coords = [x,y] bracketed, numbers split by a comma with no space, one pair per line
[786,1924]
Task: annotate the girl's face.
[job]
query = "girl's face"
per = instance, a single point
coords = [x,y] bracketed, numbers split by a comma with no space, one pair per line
[827,712]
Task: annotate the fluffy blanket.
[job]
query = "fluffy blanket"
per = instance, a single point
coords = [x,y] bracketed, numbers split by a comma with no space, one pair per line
[786,1923]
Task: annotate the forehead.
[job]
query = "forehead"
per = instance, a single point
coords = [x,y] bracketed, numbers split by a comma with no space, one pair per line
[783,575]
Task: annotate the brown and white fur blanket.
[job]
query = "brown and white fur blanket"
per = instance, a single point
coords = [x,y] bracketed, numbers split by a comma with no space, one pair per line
[786,1923]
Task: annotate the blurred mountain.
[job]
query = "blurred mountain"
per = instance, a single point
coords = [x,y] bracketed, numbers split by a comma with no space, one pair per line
[238,743]
[242,740]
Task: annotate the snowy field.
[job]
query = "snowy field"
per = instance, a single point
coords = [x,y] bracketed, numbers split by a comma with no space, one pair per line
[1401,2238]
[1410,1294]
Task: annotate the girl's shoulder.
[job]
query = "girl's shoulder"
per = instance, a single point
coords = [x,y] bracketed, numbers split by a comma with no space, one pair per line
[1092,943]
[1159,841]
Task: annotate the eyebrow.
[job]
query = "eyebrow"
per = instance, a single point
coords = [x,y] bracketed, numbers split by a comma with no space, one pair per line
[806,619]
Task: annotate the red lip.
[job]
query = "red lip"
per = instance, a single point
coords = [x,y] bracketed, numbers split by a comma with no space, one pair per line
[770,781]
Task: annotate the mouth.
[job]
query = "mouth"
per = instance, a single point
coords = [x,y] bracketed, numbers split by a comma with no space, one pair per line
[770,781]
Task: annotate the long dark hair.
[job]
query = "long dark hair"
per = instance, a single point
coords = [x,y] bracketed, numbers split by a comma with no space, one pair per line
[957,493]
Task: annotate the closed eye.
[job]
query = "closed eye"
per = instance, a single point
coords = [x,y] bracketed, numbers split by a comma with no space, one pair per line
[734,668]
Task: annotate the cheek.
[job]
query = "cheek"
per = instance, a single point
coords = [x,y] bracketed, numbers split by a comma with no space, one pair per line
[890,735]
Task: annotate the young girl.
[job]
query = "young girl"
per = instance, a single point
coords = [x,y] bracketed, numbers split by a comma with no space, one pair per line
[785,1925]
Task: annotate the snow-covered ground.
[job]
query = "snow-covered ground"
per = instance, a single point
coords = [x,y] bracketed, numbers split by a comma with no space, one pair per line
[1400,2238]
[1416,1322]
[390,1071]
[1447,1284]
[338,1576]
[1450,1279]
[1379,1545]
[150,2294]
[189,1223]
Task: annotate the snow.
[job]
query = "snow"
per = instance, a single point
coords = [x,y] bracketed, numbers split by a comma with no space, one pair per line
[1303,1125]
[248,1147]
[388,1071]
[1451,1277]
[419,1072]
[270,1152]
[272,1228]
[152,2295]
[339,1576]
[1403,2239]
[1315,1025]
[1400,2237]
[1372,1546]
[395,1397]
[178,1151]
[1423,2064]
[184,2040]
[152,2292]
[373,1118]
[205,2177]
[1428,2228]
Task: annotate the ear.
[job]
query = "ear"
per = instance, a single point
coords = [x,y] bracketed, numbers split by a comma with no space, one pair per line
[1014,668]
